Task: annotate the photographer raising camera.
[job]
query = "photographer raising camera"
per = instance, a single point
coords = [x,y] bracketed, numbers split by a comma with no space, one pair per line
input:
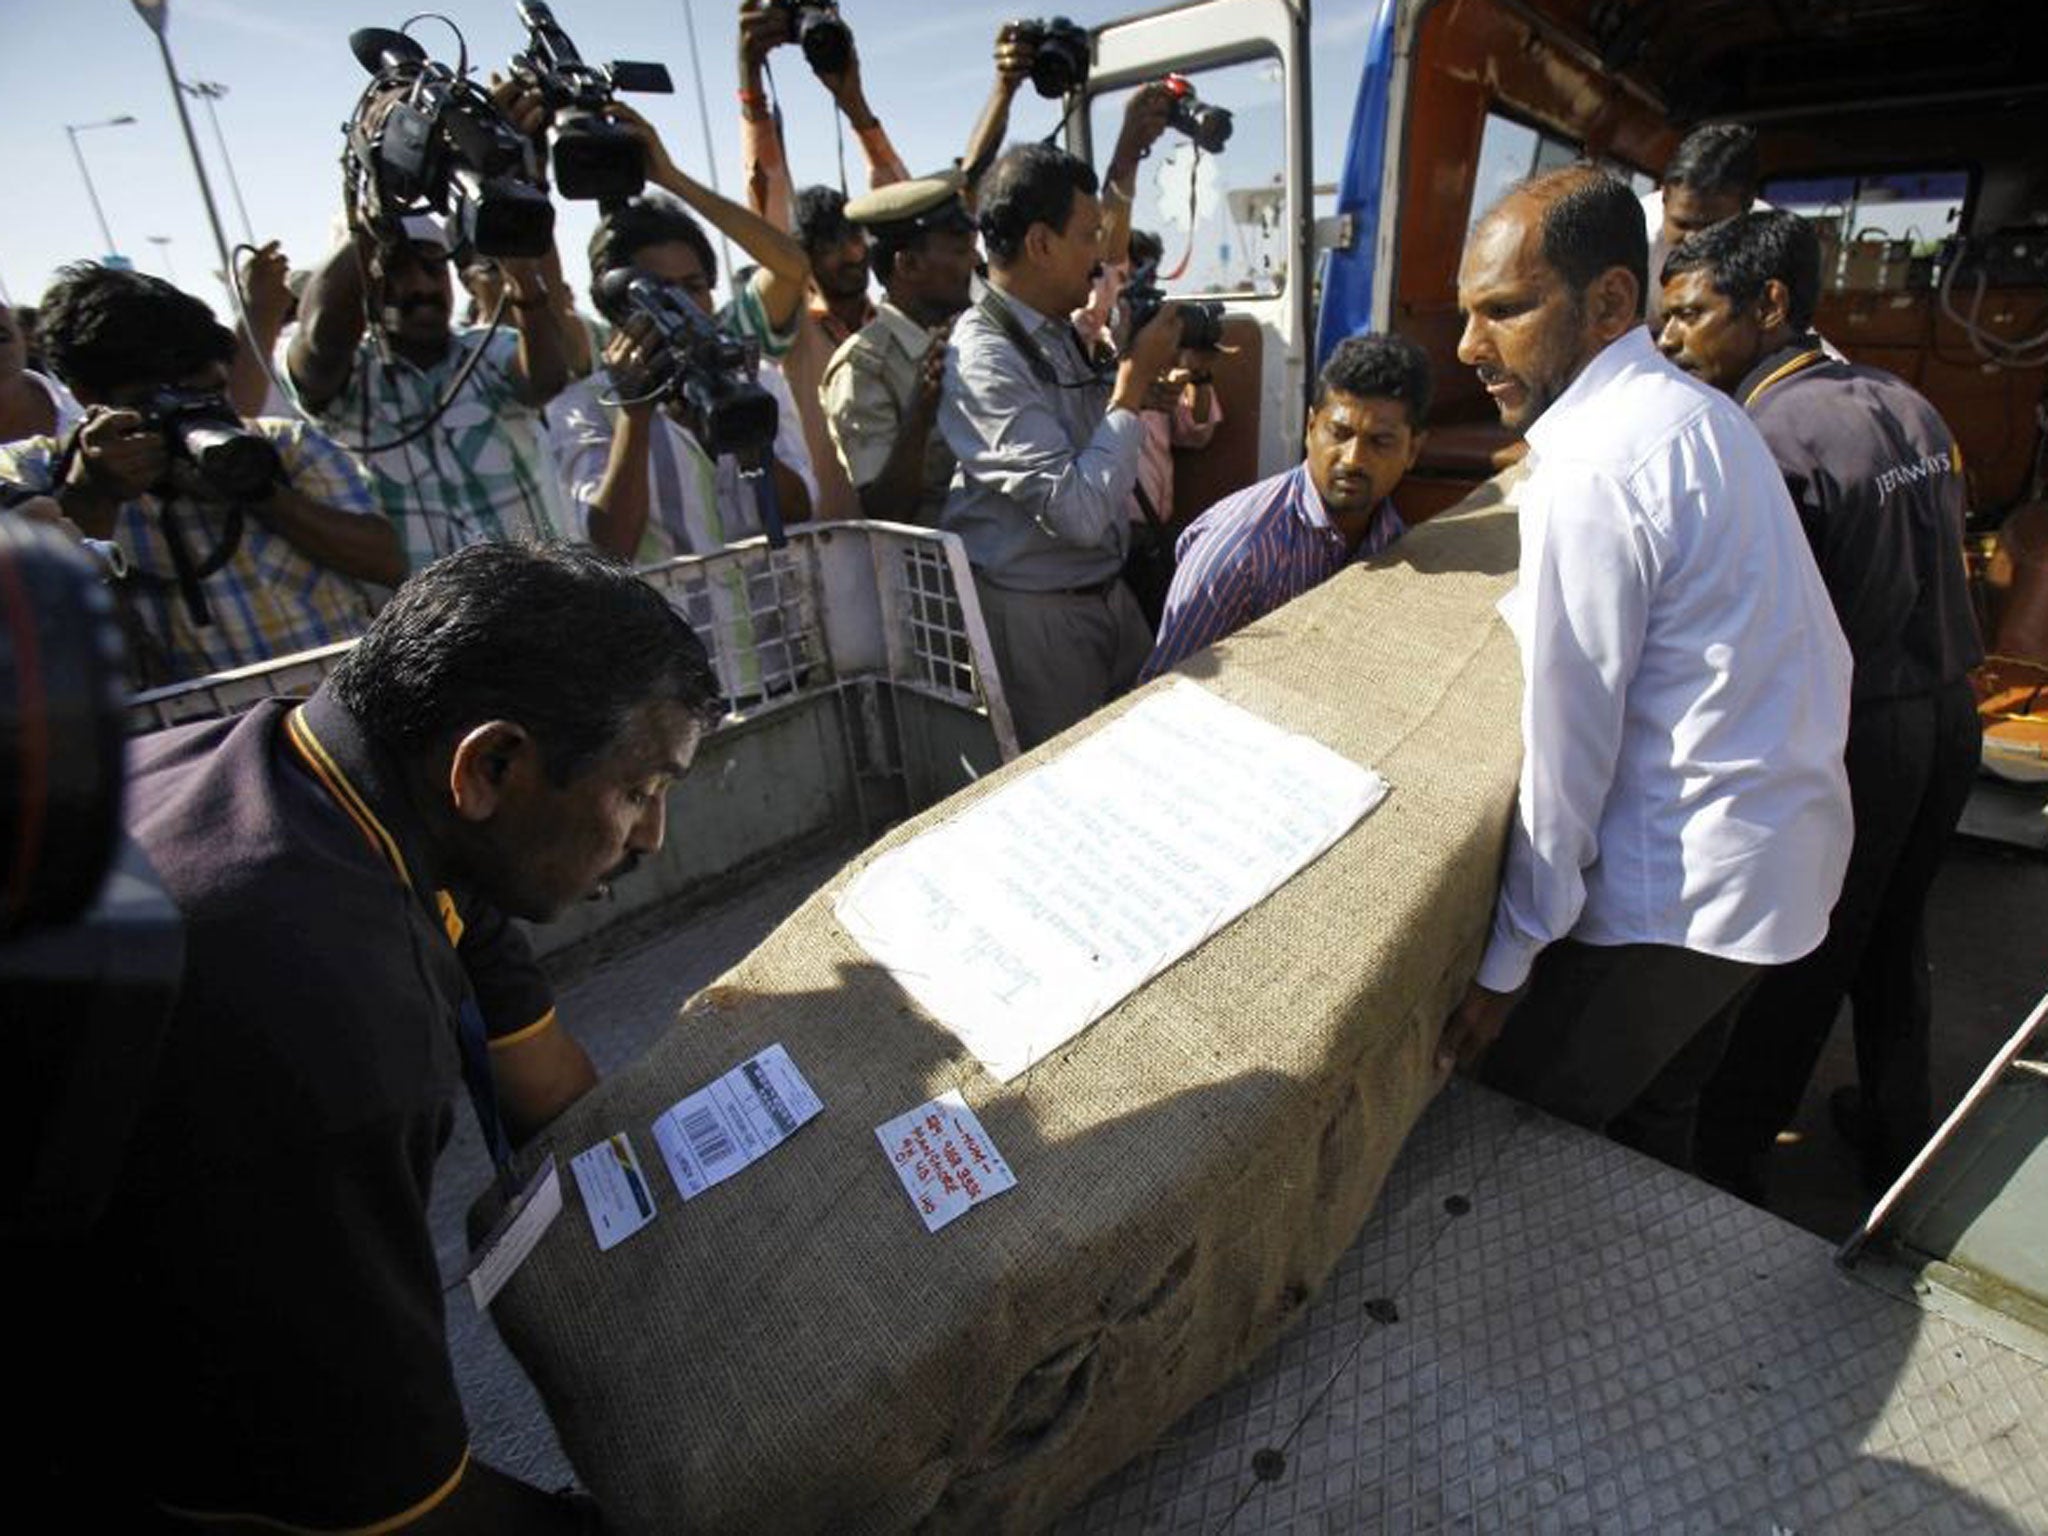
[241,538]
[1048,443]
[447,421]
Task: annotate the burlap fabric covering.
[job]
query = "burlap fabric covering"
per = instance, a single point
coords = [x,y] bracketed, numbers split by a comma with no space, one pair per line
[792,1352]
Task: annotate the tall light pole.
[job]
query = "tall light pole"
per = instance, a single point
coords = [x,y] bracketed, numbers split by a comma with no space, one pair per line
[157,13]
[704,116]
[210,91]
[72,131]
[163,250]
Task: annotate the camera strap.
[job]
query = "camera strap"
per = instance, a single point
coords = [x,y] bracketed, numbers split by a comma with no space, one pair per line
[1005,320]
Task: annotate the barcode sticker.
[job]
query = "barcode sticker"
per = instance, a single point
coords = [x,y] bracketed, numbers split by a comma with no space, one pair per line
[719,1129]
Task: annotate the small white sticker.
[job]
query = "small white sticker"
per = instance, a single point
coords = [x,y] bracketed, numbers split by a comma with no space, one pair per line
[615,1192]
[945,1159]
[513,1236]
[718,1130]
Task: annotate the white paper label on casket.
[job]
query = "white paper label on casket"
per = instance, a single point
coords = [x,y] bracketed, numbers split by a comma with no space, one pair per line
[945,1159]
[720,1129]
[616,1195]
[1035,911]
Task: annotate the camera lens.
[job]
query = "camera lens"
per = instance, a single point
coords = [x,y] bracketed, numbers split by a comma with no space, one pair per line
[61,736]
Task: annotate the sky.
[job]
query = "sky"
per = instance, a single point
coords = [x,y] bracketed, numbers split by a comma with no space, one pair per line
[291,83]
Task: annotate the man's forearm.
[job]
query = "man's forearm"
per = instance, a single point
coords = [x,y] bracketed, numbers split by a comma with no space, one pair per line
[779,254]
[249,373]
[1089,497]
[901,482]
[618,512]
[989,128]
[93,511]
[543,364]
[364,547]
[331,324]
[792,496]
[767,177]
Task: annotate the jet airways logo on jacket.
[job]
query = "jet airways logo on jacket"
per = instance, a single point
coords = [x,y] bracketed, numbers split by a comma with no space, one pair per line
[1913,473]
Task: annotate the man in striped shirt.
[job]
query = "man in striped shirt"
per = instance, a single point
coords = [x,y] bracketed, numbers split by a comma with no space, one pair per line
[1273,541]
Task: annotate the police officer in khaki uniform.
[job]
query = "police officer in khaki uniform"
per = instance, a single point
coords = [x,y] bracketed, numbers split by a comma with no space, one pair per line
[881,388]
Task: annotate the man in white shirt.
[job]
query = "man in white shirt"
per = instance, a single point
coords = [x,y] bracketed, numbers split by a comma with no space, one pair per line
[1711,177]
[1684,816]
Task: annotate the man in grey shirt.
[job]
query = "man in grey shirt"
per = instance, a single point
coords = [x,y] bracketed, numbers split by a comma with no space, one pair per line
[1047,444]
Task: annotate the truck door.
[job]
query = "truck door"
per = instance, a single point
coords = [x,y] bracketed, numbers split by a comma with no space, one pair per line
[1235,226]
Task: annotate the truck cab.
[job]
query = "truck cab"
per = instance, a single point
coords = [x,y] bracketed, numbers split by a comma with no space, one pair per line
[1909,132]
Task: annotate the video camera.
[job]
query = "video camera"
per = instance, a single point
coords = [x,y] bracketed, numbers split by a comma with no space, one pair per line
[1061,62]
[827,41]
[1209,126]
[234,463]
[1201,321]
[425,136]
[594,156]
[705,370]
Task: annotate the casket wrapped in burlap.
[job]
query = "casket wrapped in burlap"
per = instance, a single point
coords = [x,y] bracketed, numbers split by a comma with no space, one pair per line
[791,1351]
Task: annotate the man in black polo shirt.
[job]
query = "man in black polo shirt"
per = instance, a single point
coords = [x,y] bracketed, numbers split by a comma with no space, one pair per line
[1877,480]
[501,741]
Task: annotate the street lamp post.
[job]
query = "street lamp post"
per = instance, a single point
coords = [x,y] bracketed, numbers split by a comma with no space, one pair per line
[210,91]
[163,250]
[72,131]
[156,15]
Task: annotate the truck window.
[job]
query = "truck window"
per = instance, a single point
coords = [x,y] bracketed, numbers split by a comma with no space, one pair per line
[1923,207]
[1510,152]
[1235,242]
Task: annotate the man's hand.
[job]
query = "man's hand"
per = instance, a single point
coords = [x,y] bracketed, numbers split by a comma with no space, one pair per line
[1145,116]
[762,30]
[845,85]
[1472,1027]
[118,458]
[265,294]
[1149,355]
[661,170]
[931,377]
[520,99]
[1014,57]
[630,358]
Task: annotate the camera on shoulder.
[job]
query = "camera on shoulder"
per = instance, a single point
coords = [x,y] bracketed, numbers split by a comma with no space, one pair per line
[424,136]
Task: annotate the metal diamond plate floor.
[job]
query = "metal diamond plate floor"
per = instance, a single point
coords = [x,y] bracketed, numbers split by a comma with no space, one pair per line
[1540,1331]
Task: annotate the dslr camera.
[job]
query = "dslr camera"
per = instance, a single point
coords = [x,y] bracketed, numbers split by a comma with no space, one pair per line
[425,136]
[234,463]
[1209,126]
[701,368]
[594,156]
[1201,321]
[1061,63]
[827,41]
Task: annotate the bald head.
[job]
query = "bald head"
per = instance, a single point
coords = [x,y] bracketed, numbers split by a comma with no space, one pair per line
[1552,274]
[1587,222]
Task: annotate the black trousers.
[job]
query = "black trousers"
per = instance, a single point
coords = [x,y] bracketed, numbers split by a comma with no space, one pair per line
[1911,763]
[1621,1038]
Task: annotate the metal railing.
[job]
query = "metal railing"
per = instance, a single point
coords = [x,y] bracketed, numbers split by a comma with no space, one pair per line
[842,603]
